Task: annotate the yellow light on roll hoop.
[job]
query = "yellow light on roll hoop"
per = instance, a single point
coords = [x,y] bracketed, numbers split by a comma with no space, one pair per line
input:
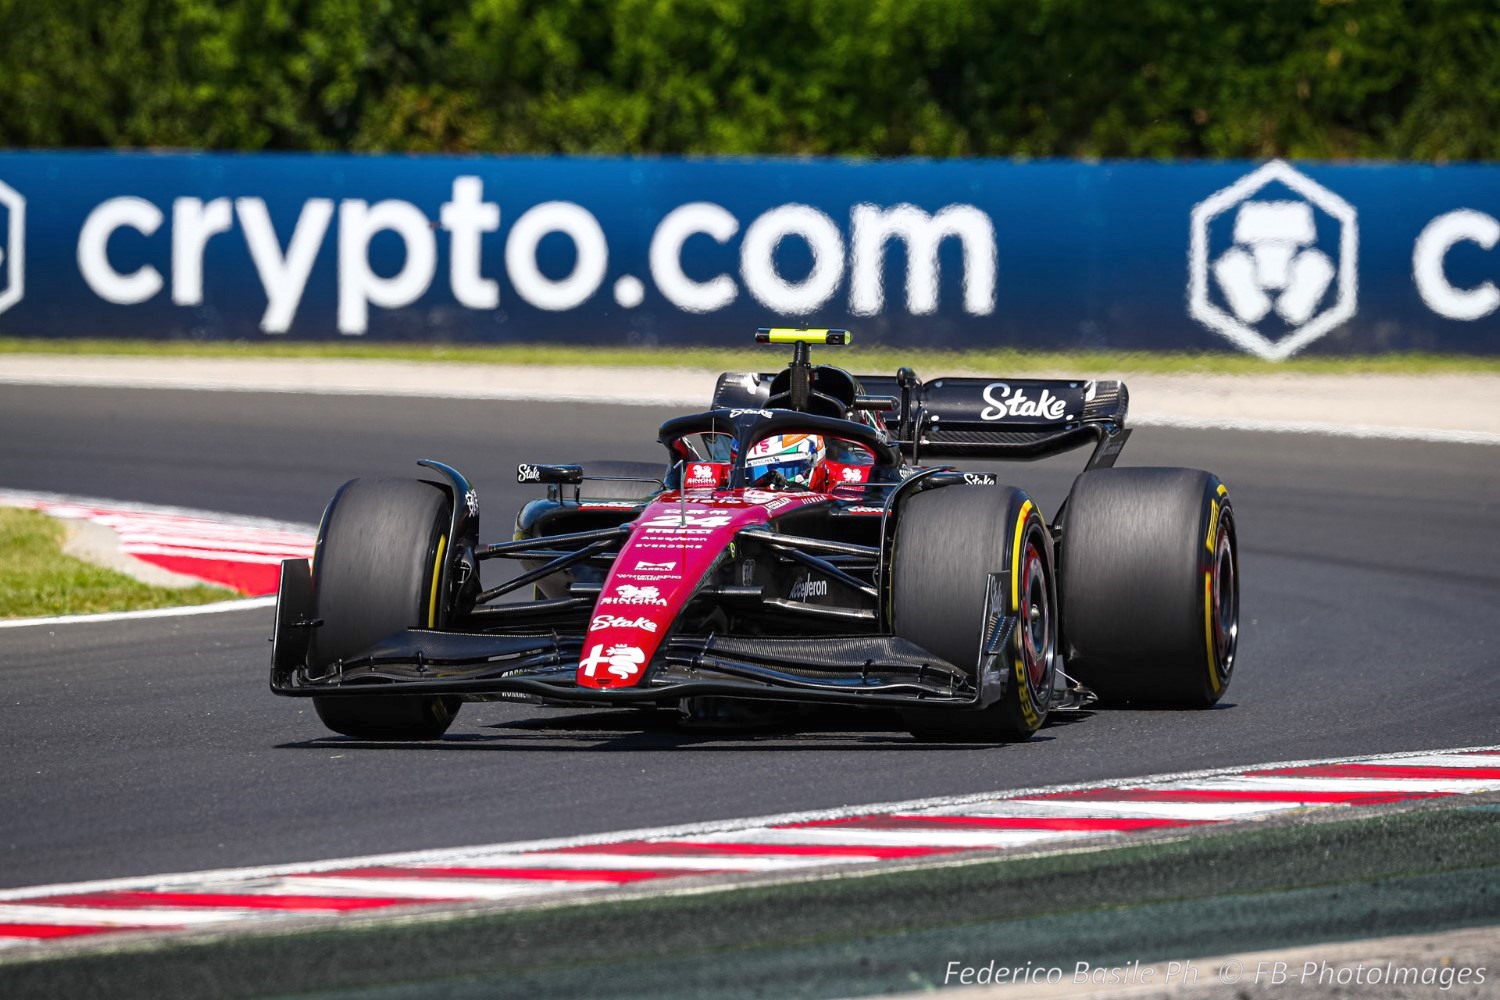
[787,335]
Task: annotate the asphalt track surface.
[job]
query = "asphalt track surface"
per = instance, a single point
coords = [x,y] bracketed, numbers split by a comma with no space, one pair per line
[1370,589]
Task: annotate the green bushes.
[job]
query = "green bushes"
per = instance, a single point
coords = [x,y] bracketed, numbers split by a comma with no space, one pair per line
[1092,78]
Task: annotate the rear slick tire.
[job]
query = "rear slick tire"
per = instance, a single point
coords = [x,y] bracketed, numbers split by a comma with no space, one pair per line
[1150,584]
[379,551]
[948,542]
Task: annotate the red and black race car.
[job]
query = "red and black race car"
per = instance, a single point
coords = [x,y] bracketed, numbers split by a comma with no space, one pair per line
[798,544]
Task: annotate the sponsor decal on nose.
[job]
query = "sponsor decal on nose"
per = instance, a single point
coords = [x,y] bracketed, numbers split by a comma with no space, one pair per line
[620,661]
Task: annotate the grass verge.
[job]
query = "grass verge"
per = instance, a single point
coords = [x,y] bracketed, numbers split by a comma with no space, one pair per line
[37,579]
[863,358]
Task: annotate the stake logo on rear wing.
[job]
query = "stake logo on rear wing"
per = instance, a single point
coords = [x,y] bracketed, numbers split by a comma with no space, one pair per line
[1012,418]
[1031,403]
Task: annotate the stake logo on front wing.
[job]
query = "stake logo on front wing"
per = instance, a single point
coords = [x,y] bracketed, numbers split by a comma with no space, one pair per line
[623,661]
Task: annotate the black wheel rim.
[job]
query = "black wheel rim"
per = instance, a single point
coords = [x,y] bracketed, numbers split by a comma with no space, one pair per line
[1226,601]
[1037,647]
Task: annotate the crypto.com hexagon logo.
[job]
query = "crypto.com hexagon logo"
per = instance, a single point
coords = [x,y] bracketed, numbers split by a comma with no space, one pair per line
[13,248]
[1264,278]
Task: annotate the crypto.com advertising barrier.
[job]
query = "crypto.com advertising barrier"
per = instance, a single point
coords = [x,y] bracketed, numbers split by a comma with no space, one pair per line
[1269,259]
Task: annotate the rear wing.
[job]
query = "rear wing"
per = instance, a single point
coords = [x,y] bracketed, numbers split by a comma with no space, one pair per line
[977,417]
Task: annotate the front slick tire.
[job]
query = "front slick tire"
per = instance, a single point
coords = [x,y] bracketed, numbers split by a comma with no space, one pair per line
[1150,574]
[948,542]
[381,545]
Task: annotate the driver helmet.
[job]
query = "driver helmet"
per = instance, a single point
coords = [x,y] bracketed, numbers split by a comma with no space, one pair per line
[795,456]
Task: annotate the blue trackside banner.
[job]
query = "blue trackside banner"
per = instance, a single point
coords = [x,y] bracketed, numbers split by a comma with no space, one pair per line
[1265,258]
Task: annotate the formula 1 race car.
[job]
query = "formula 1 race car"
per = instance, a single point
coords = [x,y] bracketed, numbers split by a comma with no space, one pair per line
[792,547]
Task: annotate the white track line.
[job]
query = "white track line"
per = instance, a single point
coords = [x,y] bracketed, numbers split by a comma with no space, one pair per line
[653,862]
[1374,786]
[1449,760]
[1008,808]
[220,607]
[840,836]
[436,888]
[1164,810]
[155,916]
[213,555]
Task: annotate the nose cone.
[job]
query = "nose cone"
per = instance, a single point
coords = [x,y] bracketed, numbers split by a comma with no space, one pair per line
[671,548]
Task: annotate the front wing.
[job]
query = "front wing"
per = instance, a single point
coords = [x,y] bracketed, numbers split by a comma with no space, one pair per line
[870,669]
